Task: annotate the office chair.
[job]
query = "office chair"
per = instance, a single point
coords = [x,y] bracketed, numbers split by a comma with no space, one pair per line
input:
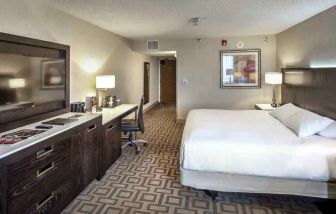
[133,127]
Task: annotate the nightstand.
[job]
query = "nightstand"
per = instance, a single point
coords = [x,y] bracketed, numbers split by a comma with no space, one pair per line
[264,107]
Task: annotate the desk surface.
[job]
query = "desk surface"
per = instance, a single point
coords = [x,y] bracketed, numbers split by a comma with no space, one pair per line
[266,107]
[8,149]
[122,110]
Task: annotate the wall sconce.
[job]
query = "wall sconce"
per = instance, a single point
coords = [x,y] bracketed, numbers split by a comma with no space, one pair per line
[17,83]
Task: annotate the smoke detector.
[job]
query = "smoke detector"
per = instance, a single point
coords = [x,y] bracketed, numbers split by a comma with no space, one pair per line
[195,21]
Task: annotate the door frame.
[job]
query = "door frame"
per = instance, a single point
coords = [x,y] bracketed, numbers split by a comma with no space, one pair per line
[176,88]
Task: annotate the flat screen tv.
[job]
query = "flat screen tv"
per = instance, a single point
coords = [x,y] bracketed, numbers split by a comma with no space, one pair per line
[33,78]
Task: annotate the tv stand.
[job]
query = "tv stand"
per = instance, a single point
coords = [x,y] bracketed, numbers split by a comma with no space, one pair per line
[45,172]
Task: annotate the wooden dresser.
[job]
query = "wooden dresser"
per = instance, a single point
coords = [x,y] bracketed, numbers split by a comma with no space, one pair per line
[44,175]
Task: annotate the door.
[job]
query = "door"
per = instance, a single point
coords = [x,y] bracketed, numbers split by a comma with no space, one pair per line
[146,82]
[168,80]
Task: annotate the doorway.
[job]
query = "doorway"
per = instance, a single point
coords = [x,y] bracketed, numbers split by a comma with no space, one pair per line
[146,82]
[168,80]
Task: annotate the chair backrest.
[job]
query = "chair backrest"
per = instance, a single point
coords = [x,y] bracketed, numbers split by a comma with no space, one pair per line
[141,116]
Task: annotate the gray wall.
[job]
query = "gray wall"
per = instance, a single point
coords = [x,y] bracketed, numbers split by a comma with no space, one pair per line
[93,50]
[199,62]
[311,43]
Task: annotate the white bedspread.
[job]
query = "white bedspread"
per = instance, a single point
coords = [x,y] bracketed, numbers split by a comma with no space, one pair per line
[253,143]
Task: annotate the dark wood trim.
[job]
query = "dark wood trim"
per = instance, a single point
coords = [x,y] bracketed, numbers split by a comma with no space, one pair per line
[3,188]
[47,110]
[146,86]
[310,88]
[30,41]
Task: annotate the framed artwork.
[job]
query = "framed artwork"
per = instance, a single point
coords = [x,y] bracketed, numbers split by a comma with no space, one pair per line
[52,74]
[240,68]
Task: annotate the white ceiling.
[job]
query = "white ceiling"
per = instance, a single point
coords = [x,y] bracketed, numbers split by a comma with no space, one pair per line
[170,19]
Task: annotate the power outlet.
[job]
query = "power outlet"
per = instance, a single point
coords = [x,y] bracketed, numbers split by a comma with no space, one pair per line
[185,82]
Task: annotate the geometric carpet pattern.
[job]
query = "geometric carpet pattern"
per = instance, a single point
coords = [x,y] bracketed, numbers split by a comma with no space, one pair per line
[149,182]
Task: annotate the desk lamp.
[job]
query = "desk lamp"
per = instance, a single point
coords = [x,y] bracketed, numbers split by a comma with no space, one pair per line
[104,82]
[274,78]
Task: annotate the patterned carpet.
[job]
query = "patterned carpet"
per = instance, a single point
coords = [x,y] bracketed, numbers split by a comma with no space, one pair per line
[149,182]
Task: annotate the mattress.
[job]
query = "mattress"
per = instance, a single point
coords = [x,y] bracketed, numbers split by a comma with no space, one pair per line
[254,143]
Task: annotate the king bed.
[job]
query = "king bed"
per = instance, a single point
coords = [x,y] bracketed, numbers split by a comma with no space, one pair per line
[257,152]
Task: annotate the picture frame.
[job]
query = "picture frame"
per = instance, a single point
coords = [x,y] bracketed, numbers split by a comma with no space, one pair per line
[52,74]
[240,68]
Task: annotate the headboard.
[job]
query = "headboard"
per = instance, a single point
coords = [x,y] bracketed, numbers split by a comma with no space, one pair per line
[313,89]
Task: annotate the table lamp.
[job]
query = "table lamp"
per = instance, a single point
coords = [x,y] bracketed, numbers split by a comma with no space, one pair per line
[274,78]
[104,82]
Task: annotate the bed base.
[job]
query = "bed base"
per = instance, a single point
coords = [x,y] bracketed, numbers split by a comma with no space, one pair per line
[223,182]
[212,194]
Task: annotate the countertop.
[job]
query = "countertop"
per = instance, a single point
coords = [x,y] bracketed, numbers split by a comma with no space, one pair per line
[110,114]
[9,149]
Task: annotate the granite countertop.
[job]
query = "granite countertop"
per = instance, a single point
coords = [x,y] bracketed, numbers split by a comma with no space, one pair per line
[8,149]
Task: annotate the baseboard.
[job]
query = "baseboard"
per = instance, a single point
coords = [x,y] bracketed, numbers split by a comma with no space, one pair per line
[180,120]
[151,106]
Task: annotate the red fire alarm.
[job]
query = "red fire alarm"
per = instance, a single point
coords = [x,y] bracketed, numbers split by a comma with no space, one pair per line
[224,42]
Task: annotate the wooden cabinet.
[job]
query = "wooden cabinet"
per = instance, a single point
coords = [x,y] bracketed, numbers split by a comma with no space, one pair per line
[111,143]
[92,152]
[45,177]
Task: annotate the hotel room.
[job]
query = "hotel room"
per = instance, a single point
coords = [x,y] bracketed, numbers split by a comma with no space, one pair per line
[167,106]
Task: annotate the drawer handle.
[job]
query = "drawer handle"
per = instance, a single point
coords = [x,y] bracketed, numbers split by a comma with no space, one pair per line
[44,152]
[93,127]
[45,200]
[45,169]
[110,127]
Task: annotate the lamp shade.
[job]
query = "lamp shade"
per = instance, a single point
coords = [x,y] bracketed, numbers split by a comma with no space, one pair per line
[105,81]
[17,83]
[273,78]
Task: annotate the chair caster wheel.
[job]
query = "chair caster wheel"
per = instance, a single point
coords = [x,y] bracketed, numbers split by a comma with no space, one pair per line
[145,144]
[137,152]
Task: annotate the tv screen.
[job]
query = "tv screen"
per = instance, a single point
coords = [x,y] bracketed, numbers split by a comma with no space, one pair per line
[29,81]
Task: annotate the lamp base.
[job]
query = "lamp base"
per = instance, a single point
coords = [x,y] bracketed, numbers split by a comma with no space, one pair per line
[274,105]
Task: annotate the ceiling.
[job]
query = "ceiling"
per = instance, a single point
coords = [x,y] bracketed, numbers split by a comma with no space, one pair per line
[170,19]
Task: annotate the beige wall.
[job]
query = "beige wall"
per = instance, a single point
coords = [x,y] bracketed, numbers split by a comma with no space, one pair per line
[199,62]
[93,50]
[309,43]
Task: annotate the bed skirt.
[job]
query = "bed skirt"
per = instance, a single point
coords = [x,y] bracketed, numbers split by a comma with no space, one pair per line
[223,182]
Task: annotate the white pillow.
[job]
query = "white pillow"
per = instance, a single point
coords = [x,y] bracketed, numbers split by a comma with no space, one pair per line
[330,131]
[305,123]
[283,112]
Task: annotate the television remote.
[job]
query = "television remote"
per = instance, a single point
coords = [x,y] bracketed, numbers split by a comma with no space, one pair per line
[43,126]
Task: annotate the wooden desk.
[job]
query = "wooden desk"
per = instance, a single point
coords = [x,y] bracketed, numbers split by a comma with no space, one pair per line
[111,133]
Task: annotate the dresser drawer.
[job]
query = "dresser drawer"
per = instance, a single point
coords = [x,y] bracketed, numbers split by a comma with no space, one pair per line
[38,175]
[45,175]
[52,201]
[38,157]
